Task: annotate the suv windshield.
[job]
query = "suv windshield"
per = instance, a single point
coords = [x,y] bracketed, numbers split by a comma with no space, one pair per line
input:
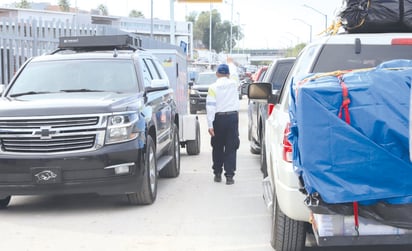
[331,58]
[75,75]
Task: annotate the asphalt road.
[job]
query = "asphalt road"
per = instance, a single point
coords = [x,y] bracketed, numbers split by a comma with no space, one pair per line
[191,213]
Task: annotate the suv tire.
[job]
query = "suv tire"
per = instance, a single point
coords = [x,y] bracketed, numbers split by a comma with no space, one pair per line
[148,191]
[172,170]
[287,234]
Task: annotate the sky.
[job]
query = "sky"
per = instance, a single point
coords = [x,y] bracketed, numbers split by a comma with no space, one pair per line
[266,24]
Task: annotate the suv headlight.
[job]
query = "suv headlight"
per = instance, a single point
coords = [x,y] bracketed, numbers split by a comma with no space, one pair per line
[121,128]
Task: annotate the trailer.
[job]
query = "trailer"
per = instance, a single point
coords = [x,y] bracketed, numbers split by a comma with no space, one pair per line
[175,65]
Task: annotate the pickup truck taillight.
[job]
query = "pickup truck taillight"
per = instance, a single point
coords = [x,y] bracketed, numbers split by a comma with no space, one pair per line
[270,108]
[401,41]
[287,146]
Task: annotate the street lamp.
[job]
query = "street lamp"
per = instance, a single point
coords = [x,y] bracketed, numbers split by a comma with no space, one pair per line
[326,16]
[293,35]
[310,27]
[231,25]
[238,31]
[210,33]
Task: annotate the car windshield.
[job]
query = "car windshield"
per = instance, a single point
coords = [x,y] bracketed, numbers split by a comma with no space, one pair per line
[206,78]
[76,76]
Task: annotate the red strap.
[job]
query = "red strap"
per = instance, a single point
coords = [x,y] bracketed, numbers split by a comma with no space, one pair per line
[345,100]
[345,106]
[356,216]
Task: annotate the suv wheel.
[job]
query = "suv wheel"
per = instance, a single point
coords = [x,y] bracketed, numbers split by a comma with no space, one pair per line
[287,234]
[172,169]
[4,202]
[148,191]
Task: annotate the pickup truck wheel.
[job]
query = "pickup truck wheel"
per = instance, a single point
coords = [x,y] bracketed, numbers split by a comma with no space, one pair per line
[287,234]
[148,191]
[4,202]
[193,146]
[172,169]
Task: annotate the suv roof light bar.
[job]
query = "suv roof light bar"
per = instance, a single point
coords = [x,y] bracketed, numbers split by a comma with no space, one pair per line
[107,42]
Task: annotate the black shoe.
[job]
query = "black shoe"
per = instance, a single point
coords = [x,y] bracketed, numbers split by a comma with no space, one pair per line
[230,181]
[218,178]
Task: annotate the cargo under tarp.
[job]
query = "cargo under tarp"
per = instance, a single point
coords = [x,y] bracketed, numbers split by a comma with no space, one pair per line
[365,159]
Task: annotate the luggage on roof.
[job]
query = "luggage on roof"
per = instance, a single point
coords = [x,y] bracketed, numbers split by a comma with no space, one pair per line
[363,16]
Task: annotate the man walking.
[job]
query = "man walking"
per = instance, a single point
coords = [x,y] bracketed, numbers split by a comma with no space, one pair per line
[222,105]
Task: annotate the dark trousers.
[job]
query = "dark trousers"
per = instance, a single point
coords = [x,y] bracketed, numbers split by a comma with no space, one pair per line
[225,143]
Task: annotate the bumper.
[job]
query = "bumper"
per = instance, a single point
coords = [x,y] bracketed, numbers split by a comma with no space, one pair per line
[114,169]
[290,199]
[199,103]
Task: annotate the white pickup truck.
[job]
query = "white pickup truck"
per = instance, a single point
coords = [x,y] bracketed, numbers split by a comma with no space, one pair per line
[283,190]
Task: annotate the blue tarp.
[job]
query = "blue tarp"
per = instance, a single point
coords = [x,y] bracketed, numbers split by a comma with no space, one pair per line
[366,160]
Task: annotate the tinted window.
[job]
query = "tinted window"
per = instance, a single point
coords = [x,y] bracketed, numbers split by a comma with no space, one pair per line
[153,71]
[343,57]
[278,77]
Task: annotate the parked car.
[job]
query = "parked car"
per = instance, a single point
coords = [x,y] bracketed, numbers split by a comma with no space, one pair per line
[259,74]
[282,188]
[258,111]
[198,90]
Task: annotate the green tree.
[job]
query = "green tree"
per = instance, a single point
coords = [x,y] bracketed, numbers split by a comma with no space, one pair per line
[136,13]
[220,31]
[64,5]
[103,10]
[192,17]
[23,4]
[294,51]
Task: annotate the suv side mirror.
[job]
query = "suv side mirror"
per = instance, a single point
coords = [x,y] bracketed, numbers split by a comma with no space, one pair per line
[158,84]
[259,91]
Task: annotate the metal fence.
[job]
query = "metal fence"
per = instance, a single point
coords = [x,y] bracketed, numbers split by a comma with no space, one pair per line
[21,39]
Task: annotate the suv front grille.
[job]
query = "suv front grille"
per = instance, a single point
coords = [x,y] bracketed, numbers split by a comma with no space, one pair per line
[39,135]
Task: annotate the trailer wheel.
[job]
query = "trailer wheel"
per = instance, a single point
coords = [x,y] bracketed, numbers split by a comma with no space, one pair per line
[287,234]
[4,202]
[148,192]
[193,146]
[172,169]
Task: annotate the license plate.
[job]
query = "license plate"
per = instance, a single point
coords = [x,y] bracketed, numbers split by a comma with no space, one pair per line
[46,175]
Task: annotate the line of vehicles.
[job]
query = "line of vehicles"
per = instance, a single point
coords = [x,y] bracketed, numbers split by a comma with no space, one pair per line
[293,208]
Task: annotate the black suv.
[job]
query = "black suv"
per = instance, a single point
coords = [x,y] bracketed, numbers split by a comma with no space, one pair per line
[96,116]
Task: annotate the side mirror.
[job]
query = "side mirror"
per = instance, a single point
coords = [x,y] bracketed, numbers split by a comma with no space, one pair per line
[158,84]
[259,91]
